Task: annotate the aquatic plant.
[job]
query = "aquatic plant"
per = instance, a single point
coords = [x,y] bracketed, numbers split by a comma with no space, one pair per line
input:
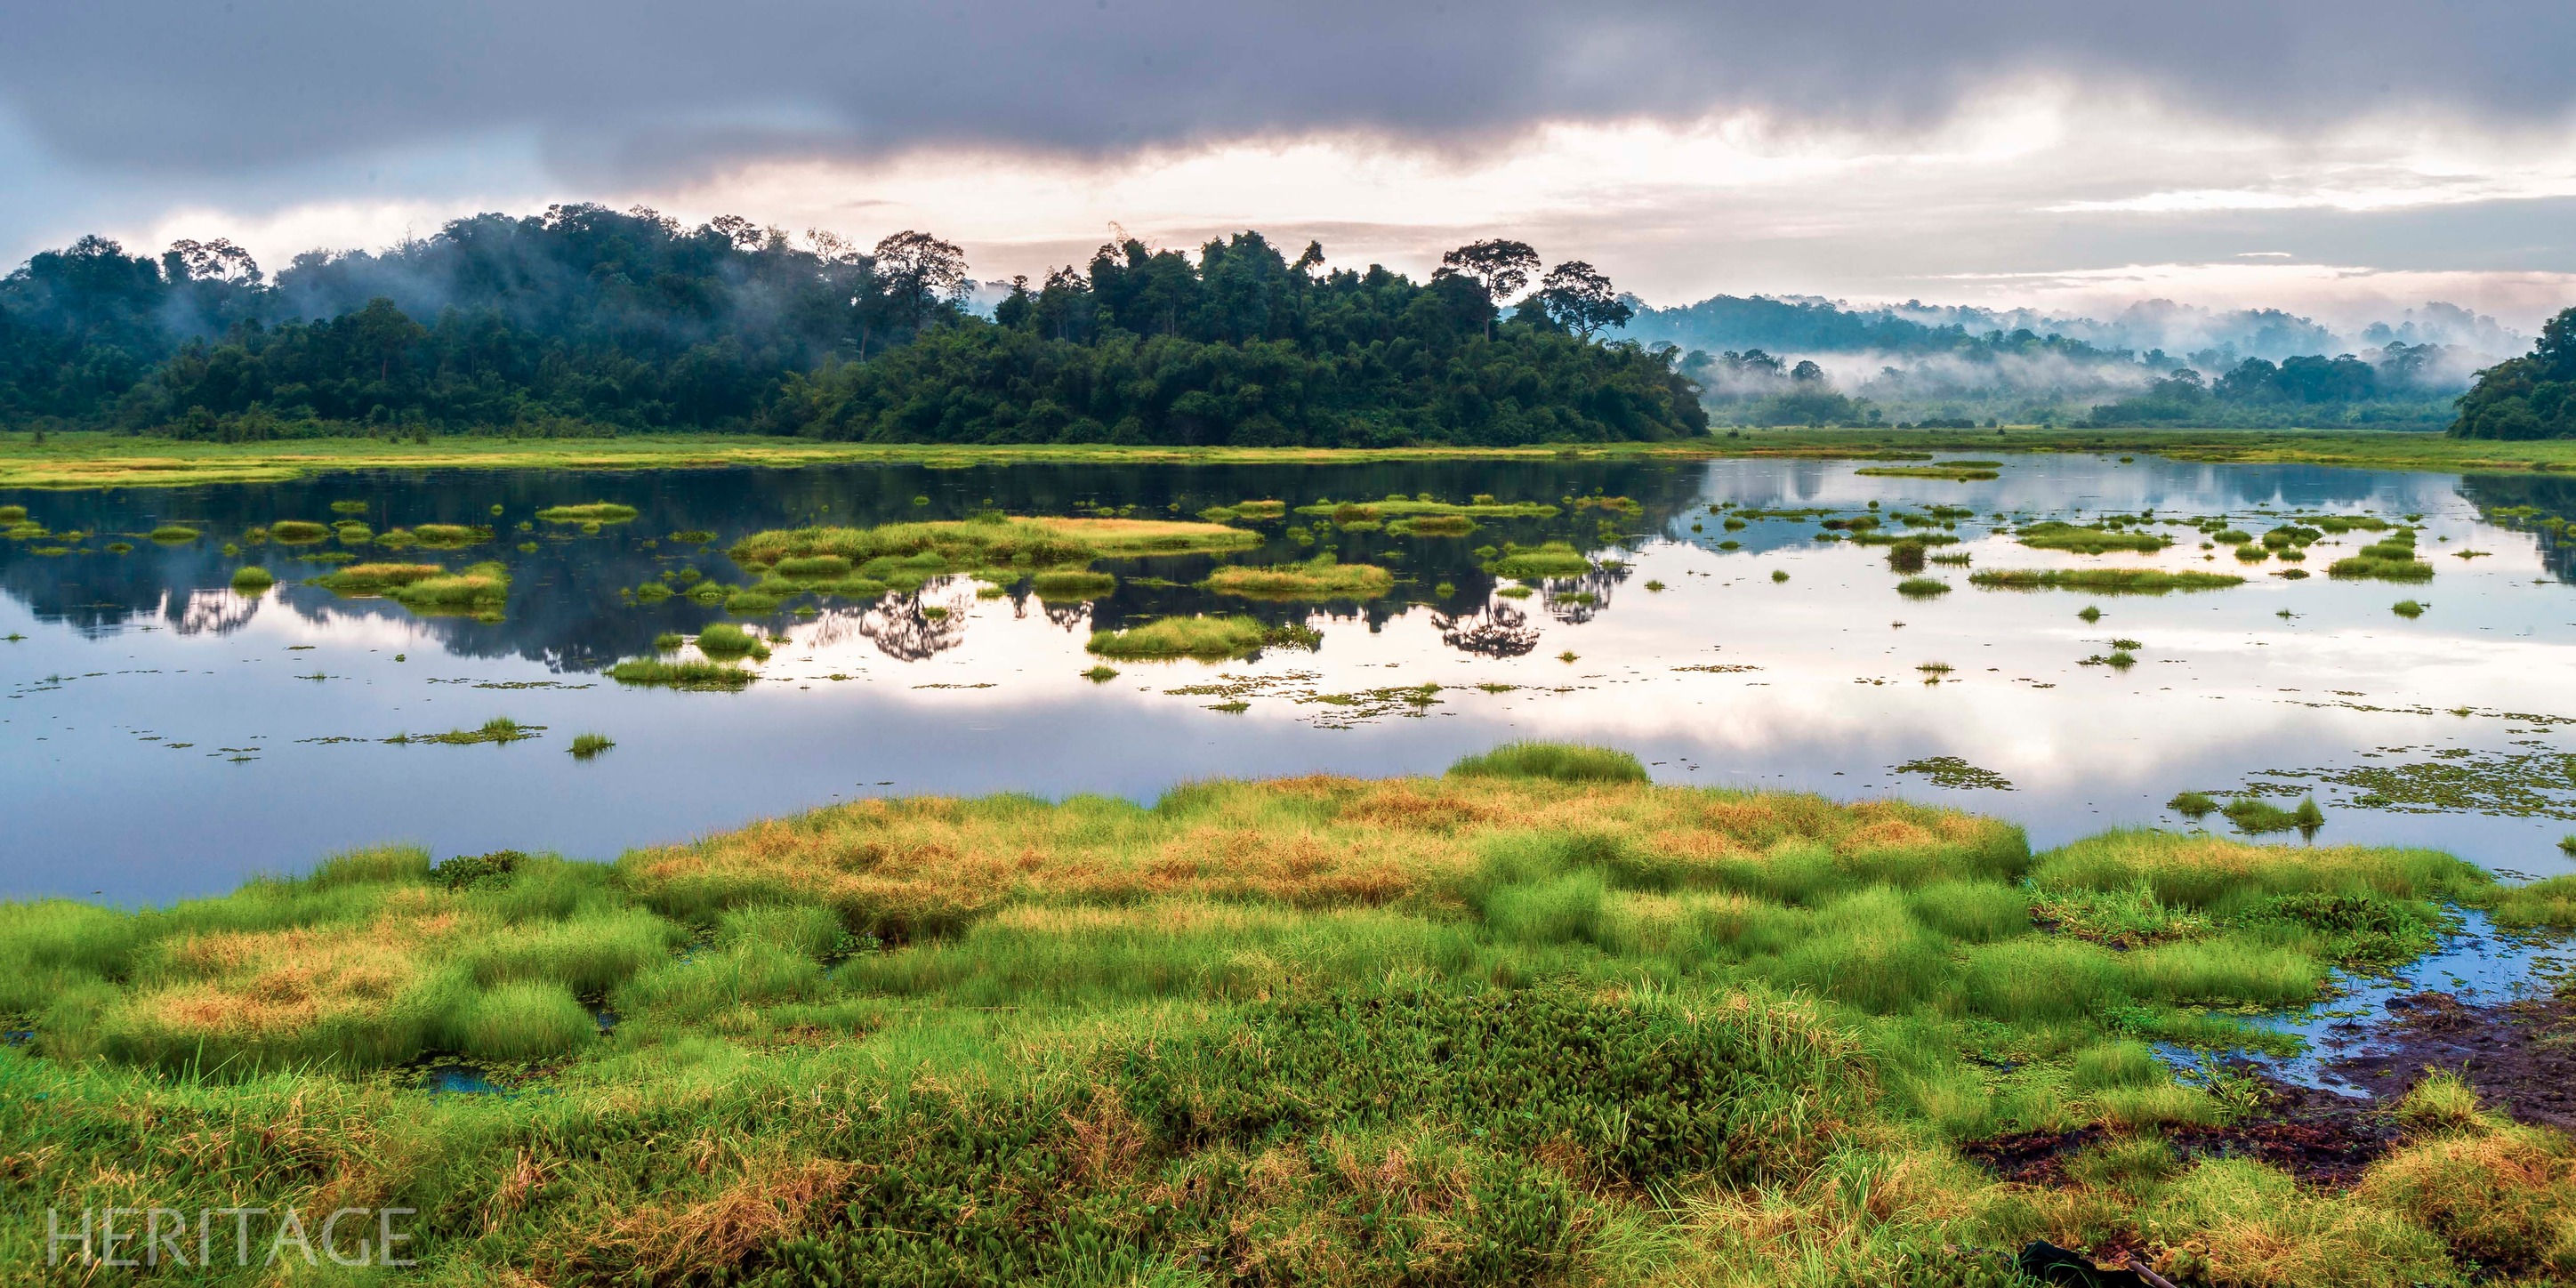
[726,640]
[669,641]
[651,593]
[1065,585]
[1203,637]
[2109,581]
[1433,525]
[1101,674]
[376,578]
[13,514]
[1514,592]
[2407,608]
[120,547]
[349,507]
[921,550]
[251,579]
[1243,510]
[1779,574]
[1550,559]
[1922,587]
[172,534]
[480,589]
[1323,577]
[1906,555]
[295,532]
[498,729]
[588,513]
[585,746]
[2192,805]
[692,673]
[2052,534]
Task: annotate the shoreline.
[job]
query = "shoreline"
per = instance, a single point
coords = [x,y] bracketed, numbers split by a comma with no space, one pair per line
[88,460]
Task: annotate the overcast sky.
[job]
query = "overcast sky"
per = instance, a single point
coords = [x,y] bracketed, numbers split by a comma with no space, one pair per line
[2342,159]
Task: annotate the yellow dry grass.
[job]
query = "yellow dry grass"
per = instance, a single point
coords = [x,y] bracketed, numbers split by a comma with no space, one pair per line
[278,981]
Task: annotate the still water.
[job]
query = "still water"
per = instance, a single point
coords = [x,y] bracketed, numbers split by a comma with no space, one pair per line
[163,736]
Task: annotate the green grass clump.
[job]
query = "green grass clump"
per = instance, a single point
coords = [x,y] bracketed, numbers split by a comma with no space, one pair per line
[1203,637]
[251,579]
[585,746]
[298,532]
[349,507]
[1563,762]
[2109,581]
[174,534]
[1101,674]
[651,593]
[725,640]
[441,536]
[1922,587]
[2052,534]
[692,673]
[480,589]
[1955,474]
[2192,805]
[366,579]
[13,514]
[669,642]
[1245,510]
[905,555]
[588,513]
[1319,579]
[1067,585]
[499,729]
[1433,525]
[1551,559]
[1346,513]
[2391,558]
[2407,608]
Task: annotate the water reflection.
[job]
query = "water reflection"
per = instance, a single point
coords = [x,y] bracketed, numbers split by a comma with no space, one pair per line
[161,734]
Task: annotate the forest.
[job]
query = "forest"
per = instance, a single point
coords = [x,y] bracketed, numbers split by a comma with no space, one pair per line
[587,321]
[2533,396]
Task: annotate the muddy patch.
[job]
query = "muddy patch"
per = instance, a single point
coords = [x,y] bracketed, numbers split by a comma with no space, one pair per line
[2319,1137]
[2520,1055]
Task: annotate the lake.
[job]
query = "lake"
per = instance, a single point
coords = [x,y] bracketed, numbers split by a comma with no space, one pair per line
[164,736]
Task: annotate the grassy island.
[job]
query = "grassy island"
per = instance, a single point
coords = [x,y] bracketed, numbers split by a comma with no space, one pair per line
[1317,579]
[1537,1021]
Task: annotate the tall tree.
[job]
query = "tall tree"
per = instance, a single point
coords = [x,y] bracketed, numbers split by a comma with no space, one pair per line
[1501,266]
[1579,298]
[920,273]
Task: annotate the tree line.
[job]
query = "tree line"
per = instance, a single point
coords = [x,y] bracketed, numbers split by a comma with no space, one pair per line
[584,319]
[2533,396]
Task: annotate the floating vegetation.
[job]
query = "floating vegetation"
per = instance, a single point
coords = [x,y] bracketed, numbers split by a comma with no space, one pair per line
[585,746]
[1552,559]
[1101,674]
[1954,773]
[1653,586]
[1779,574]
[498,729]
[2535,784]
[1719,668]
[1203,637]
[669,641]
[370,579]
[2407,608]
[1569,656]
[693,536]
[251,579]
[174,534]
[690,674]
[351,532]
[297,532]
[2192,805]
[1320,578]
[1906,555]
[440,536]
[349,507]
[1064,585]
[1514,592]
[2117,660]
[2091,540]
[2257,817]
[1922,587]
[651,593]
[480,590]
[905,556]
[2110,581]
[1243,510]
[1951,473]
[2390,559]
[13,514]
[1396,507]
[120,548]
[1433,525]
[588,512]
[727,640]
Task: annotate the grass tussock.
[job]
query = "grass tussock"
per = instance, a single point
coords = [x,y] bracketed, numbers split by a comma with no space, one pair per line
[1203,637]
[1551,559]
[2109,581]
[480,590]
[2089,539]
[251,579]
[588,512]
[1321,578]
[1537,1020]
[689,673]
[887,553]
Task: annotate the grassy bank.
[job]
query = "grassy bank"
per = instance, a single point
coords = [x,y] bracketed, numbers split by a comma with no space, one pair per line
[1535,1021]
[91,460]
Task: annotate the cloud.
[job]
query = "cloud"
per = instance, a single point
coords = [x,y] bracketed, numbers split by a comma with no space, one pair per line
[644,89]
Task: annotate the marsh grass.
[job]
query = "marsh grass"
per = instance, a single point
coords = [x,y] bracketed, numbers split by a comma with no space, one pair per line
[297,532]
[499,729]
[2109,581]
[1067,585]
[690,673]
[174,534]
[904,556]
[585,746]
[1549,559]
[1922,587]
[1203,637]
[1536,1020]
[2052,534]
[2407,608]
[725,641]
[479,589]
[1321,578]
[1101,674]
[251,579]
[588,513]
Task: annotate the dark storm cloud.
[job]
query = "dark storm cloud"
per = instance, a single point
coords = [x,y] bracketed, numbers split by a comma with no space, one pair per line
[635,87]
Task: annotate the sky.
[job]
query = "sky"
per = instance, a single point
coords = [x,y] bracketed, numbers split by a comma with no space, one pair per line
[2343,160]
